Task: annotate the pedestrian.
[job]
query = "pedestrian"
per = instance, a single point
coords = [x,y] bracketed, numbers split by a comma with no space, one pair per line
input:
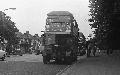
[109,51]
[89,47]
[94,50]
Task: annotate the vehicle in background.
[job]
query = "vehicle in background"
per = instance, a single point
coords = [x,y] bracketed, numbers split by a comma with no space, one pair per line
[17,50]
[81,44]
[2,54]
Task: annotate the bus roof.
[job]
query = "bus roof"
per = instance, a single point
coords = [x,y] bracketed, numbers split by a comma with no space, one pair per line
[59,13]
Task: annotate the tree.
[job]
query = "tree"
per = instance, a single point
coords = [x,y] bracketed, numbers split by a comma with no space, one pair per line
[105,17]
[7,28]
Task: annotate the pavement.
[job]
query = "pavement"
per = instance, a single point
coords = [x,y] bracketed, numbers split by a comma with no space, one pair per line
[99,65]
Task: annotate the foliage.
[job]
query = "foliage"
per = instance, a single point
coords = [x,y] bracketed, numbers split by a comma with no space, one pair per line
[103,18]
[7,28]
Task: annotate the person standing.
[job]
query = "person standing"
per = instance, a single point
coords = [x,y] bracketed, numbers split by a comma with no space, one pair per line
[88,47]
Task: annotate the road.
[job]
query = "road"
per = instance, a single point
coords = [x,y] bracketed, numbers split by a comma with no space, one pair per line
[29,64]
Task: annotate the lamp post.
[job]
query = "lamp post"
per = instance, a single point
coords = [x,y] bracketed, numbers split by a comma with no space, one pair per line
[10,8]
[4,12]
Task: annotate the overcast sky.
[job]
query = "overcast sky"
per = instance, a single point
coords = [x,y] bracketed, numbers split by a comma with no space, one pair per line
[30,15]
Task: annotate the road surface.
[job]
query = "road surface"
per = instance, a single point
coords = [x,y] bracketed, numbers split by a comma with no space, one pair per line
[28,64]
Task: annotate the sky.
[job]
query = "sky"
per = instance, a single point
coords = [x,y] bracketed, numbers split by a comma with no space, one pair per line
[30,15]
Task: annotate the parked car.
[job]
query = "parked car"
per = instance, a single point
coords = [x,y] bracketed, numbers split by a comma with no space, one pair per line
[2,55]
